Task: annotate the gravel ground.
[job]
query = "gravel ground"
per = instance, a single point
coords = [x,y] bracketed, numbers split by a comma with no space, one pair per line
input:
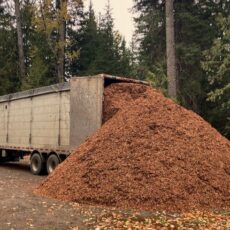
[20,209]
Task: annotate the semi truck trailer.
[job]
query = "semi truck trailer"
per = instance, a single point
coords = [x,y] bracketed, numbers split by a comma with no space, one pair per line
[48,123]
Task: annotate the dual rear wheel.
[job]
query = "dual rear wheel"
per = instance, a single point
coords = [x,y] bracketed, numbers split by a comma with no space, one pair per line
[39,165]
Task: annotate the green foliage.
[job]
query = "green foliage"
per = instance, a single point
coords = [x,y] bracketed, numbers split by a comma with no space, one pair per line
[217,67]
[9,77]
[102,49]
[195,29]
[111,54]
[40,56]
[158,77]
[93,46]
[86,41]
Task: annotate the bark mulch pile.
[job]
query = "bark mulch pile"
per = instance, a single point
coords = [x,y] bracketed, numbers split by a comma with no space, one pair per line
[150,154]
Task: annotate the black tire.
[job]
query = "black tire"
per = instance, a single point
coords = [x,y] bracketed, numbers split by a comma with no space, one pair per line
[52,162]
[2,160]
[36,164]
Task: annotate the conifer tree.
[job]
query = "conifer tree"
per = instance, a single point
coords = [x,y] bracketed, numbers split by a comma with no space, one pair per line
[217,66]
[86,41]
[109,50]
[9,67]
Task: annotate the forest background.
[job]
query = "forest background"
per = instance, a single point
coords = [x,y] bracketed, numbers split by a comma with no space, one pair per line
[44,42]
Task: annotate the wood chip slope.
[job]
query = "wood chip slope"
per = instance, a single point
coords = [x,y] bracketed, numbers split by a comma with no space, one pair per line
[150,154]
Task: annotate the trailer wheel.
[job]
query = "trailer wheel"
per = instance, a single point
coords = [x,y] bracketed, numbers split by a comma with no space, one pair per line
[36,164]
[52,162]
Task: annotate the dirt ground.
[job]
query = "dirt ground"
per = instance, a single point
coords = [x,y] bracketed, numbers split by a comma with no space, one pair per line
[21,210]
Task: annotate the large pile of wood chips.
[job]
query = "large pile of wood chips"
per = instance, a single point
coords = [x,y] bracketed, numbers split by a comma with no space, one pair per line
[150,154]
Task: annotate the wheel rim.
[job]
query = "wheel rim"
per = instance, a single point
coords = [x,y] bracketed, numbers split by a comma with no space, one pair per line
[35,165]
[52,165]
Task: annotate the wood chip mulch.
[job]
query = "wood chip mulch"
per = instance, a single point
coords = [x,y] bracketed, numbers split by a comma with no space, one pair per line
[150,154]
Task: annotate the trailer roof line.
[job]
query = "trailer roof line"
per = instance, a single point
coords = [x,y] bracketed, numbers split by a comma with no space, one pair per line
[63,87]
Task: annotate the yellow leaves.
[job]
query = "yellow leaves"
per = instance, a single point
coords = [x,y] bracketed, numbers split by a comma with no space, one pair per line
[117,37]
[62,13]
[46,25]
[44,20]
[75,228]
[73,55]
[49,20]
[147,221]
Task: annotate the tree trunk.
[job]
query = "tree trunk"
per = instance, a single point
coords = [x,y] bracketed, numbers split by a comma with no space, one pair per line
[62,8]
[20,40]
[170,43]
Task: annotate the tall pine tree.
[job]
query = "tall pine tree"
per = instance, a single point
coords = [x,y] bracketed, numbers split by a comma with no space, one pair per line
[85,39]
